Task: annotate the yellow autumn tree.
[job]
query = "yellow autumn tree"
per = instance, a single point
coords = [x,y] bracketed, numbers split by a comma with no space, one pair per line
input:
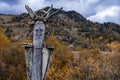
[3,38]
[12,63]
[114,46]
[61,64]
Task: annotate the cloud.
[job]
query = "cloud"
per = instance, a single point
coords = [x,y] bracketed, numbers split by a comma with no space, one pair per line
[84,7]
[9,8]
[10,2]
[96,10]
[36,4]
[111,14]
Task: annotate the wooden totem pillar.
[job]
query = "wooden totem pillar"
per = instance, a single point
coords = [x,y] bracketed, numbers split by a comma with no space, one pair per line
[38,56]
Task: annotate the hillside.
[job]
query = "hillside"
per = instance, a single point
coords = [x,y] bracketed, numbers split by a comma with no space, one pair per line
[84,50]
[69,28]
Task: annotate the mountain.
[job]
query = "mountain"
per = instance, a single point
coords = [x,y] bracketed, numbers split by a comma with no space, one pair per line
[69,27]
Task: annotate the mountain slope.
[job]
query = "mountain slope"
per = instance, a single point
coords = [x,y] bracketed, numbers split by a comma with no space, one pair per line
[69,28]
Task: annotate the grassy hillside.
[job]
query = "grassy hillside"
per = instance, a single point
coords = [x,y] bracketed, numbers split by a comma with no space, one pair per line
[84,50]
[70,28]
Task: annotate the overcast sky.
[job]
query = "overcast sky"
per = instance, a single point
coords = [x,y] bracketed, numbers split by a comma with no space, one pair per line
[95,10]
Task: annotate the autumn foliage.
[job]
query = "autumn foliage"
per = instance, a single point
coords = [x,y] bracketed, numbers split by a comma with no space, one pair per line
[66,64]
[84,64]
[12,63]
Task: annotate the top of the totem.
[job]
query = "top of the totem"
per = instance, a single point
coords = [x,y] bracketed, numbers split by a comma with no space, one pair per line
[47,14]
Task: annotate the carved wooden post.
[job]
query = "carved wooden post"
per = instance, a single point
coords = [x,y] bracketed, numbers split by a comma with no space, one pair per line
[37,55]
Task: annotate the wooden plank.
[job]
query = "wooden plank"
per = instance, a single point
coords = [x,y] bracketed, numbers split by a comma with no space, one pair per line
[38,37]
[37,56]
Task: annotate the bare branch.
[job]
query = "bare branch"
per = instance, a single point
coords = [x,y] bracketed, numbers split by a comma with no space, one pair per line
[44,11]
[45,16]
[54,13]
[30,11]
[48,12]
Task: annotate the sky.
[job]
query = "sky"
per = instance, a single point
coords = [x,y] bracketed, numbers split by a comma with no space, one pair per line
[95,10]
